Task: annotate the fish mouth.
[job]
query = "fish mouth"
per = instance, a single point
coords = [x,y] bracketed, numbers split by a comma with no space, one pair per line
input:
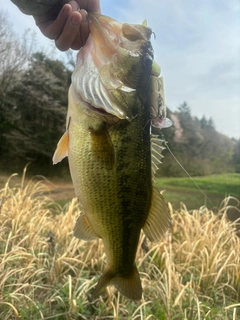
[104,32]
[109,34]
[110,66]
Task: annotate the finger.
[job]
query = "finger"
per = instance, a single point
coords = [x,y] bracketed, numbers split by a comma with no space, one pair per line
[74,5]
[53,28]
[84,30]
[77,43]
[94,6]
[69,32]
[83,33]
[90,5]
[84,15]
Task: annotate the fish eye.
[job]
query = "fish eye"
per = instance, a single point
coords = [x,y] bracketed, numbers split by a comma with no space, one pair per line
[147,60]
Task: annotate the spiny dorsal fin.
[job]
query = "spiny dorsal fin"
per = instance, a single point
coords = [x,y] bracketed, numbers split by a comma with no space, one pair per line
[83,230]
[156,152]
[159,219]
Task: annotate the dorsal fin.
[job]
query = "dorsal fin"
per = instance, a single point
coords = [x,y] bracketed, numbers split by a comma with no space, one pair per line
[156,153]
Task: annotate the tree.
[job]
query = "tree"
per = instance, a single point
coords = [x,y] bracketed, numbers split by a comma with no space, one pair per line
[14,56]
[33,101]
[39,113]
[197,145]
[236,155]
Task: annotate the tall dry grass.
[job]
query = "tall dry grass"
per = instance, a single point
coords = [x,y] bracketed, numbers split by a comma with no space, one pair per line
[46,273]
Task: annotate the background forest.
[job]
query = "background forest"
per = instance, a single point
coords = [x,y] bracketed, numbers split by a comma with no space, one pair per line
[33,105]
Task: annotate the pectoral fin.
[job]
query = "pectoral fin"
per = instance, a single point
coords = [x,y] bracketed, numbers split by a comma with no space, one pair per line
[83,230]
[158,220]
[62,148]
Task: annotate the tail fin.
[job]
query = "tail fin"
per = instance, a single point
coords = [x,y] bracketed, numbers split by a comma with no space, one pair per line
[130,285]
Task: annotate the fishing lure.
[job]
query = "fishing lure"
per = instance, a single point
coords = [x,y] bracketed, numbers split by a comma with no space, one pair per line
[158,110]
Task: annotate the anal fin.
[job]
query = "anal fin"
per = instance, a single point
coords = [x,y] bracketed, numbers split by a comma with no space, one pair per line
[129,285]
[83,230]
[159,219]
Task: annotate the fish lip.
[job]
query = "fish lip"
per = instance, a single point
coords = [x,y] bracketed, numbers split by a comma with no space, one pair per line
[99,34]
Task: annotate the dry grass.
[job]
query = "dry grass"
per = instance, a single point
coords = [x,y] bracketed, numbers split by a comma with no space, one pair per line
[45,273]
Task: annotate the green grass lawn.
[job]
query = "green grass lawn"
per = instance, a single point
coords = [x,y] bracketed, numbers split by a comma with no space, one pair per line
[214,187]
[176,190]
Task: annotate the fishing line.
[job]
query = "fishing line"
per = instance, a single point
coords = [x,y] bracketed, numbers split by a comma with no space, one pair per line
[181,166]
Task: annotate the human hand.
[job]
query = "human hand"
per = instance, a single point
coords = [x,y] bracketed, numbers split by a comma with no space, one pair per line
[66,23]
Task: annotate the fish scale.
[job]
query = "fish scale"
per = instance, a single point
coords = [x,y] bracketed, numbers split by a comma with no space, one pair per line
[120,198]
[111,154]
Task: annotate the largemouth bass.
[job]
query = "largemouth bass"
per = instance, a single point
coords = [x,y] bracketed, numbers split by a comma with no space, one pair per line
[112,156]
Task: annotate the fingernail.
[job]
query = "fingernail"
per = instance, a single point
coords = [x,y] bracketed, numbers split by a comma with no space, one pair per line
[74,5]
[75,20]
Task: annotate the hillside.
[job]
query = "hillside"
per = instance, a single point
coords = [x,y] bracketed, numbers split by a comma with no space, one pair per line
[197,145]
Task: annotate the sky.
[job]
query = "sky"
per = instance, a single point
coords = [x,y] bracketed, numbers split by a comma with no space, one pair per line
[197,45]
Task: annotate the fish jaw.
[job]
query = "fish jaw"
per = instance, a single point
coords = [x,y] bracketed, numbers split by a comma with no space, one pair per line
[113,66]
